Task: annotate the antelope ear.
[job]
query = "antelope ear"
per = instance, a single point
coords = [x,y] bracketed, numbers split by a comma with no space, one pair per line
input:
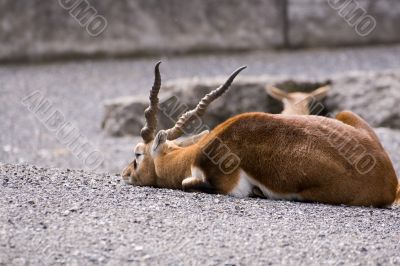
[184,142]
[158,143]
[276,93]
[320,93]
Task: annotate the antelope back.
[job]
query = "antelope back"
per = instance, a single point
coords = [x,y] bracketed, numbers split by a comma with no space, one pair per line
[315,158]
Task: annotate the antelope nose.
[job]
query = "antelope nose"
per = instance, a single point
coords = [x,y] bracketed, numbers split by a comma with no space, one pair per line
[126,172]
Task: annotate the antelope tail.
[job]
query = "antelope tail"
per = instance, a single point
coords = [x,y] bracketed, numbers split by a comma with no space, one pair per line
[397,200]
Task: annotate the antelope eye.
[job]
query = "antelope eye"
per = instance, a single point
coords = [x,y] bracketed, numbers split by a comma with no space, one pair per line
[137,155]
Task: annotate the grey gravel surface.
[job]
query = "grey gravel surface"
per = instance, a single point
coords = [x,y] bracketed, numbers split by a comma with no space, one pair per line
[72,217]
[78,89]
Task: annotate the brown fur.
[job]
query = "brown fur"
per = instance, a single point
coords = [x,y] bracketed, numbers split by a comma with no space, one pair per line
[285,153]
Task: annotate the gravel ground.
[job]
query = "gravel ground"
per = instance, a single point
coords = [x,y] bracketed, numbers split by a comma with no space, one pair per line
[77,89]
[52,216]
[55,216]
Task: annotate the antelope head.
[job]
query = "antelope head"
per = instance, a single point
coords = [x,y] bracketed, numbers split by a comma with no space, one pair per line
[297,103]
[144,170]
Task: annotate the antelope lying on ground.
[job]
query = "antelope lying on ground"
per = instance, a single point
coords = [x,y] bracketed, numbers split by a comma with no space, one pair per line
[297,103]
[292,157]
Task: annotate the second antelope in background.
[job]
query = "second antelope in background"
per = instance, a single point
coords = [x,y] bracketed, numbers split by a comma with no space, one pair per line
[297,103]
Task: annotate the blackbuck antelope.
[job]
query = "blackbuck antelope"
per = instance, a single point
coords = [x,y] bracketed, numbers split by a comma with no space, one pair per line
[298,103]
[291,157]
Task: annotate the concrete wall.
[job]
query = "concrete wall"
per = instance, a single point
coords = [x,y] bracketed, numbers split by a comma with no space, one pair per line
[38,29]
[343,22]
[42,28]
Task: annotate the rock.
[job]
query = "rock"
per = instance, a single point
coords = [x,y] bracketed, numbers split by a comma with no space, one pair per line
[315,23]
[390,140]
[373,96]
[124,116]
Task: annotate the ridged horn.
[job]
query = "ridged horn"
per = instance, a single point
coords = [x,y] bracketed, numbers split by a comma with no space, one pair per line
[177,130]
[150,113]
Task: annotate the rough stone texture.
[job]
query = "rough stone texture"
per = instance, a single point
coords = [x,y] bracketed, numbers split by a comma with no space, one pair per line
[245,95]
[43,29]
[122,115]
[390,139]
[374,96]
[67,217]
[316,23]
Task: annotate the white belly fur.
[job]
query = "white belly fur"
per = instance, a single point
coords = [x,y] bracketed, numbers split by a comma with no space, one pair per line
[245,186]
